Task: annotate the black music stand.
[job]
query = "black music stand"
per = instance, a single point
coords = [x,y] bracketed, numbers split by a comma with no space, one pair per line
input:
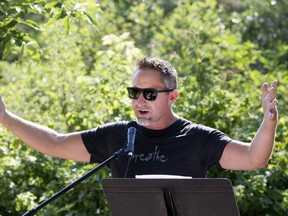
[170,197]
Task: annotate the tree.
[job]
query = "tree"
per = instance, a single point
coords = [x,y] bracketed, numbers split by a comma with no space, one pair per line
[73,77]
[23,20]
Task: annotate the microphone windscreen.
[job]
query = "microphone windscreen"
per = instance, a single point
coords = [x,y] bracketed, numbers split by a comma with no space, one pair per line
[132,124]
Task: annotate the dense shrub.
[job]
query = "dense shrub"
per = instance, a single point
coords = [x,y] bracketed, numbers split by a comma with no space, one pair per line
[65,64]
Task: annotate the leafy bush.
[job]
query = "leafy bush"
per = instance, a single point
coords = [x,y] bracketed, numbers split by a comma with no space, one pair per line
[73,77]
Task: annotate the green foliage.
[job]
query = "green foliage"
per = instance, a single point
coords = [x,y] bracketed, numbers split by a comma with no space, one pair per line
[23,20]
[65,64]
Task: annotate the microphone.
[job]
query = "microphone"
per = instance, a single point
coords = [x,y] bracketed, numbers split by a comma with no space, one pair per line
[131,134]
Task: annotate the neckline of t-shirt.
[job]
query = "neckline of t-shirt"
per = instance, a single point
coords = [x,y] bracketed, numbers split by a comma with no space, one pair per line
[165,131]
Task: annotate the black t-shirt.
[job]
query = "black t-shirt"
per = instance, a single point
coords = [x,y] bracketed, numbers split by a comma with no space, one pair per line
[184,148]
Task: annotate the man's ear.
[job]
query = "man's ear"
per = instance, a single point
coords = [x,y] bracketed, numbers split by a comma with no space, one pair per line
[173,96]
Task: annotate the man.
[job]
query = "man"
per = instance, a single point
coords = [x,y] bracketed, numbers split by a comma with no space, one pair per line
[165,143]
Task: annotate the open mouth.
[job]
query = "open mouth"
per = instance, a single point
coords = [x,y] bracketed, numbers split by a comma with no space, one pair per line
[143,112]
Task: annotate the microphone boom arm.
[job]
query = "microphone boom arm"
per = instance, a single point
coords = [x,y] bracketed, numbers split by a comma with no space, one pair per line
[76,182]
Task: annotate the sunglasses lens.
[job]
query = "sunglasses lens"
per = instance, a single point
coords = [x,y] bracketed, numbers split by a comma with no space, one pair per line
[133,93]
[150,94]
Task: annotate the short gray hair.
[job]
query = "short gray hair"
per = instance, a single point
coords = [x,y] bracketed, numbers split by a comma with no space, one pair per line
[167,71]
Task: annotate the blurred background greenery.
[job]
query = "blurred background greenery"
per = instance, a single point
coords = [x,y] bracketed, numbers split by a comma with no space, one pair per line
[66,63]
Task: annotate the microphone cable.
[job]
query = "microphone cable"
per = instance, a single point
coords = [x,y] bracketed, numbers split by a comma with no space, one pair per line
[128,166]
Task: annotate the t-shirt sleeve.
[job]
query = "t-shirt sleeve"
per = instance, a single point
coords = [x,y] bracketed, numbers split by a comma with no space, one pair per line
[214,145]
[103,141]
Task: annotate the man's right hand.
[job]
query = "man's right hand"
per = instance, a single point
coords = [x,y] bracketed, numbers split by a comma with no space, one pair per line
[2,108]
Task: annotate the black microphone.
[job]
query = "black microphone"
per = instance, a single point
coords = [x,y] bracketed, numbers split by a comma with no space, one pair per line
[131,134]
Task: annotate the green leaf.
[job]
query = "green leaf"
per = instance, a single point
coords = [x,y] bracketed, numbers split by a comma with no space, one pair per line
[91,20]
[22,51]
[66,23]
[31,24]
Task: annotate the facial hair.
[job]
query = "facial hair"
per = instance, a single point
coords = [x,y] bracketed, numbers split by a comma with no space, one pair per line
[144,122]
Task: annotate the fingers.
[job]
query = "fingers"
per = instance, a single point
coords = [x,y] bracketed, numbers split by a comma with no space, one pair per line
[264,89]
[1,98]
[269,94]
[274,84]
[269,100]
[272,109]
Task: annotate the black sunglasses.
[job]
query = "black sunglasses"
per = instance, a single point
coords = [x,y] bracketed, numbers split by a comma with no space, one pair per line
[149,94]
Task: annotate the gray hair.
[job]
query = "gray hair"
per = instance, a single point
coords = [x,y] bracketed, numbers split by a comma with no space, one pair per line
[166,70]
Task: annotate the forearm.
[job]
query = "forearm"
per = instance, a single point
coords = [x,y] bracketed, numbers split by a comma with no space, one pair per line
[262,144]
[38,137]
[245,156]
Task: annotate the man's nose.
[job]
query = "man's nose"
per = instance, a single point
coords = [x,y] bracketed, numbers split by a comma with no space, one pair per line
[141,98]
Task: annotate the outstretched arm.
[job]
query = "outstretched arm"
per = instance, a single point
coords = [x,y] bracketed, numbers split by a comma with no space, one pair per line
[43,139]
[245,156]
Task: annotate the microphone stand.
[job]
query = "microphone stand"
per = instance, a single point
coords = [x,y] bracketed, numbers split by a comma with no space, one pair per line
[76,182]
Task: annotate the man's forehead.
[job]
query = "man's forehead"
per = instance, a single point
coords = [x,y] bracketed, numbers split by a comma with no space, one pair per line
[147,79]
